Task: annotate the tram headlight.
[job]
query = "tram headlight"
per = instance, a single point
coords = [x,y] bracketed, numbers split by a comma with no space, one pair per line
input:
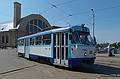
[85,54]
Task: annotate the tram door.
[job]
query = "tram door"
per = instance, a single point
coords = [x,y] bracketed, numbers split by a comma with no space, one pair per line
[61,48]
[26,48]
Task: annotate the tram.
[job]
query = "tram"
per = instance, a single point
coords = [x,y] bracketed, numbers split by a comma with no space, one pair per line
[67,46]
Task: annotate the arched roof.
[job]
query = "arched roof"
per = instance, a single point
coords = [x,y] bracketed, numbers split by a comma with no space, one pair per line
[24,21]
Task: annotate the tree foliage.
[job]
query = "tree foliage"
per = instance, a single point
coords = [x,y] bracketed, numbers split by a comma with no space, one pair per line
[116,45]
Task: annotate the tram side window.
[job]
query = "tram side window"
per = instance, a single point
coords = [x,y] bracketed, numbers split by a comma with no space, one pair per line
[21,42]
[47,39]
[38,40]
[32,41]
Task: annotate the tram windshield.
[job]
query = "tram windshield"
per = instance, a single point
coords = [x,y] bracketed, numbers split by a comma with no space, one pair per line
[81,38]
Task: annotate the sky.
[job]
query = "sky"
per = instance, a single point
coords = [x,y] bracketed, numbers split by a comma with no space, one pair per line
[72,12]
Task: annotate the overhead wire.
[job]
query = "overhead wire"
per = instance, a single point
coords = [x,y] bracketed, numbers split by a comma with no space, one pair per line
[60,4]
[86,12]
[108,8]
[59,9]
[74,14]
[67,2]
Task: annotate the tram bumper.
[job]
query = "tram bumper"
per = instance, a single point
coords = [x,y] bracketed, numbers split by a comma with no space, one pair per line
[77,62]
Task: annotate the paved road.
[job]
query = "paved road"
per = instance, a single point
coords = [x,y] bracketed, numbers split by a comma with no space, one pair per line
[13,67]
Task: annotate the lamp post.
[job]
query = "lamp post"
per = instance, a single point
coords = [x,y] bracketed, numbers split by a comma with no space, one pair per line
[93,21]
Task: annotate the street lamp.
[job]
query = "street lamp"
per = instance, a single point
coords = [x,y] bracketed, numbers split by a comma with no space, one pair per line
[93,21]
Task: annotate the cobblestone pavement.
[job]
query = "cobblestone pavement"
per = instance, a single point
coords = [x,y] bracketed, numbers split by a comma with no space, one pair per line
[13,67]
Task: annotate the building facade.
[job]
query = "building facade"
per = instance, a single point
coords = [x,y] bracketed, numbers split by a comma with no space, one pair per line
[31,24]
[8,35]
[21,26]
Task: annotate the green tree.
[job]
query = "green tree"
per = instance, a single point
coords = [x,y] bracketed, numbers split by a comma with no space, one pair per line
[115,45]
[118,44]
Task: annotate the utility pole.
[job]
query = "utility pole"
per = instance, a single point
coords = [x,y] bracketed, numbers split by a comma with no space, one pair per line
[93,21]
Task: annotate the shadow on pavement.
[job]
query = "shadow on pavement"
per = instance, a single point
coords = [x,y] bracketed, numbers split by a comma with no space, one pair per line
[95,69]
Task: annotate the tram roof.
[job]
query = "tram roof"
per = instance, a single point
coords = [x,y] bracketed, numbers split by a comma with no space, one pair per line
[64,29]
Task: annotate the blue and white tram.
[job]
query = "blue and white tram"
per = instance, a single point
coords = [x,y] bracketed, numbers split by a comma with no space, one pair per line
[69,46]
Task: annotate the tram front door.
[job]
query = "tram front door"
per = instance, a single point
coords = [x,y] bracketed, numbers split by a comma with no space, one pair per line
[61,49]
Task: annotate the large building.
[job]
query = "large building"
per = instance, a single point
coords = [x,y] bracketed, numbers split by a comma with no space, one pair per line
[21,26]
[8,35]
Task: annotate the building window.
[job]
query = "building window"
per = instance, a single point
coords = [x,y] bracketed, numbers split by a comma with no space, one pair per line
[34,26]
[39,23]
[28,29]
[43,26]
[31,29]
[35,29]
[6,39]
[35,22]
[3,39]
[31,22]
[46,26]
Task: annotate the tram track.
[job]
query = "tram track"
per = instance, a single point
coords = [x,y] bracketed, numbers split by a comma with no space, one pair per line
[17,69]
